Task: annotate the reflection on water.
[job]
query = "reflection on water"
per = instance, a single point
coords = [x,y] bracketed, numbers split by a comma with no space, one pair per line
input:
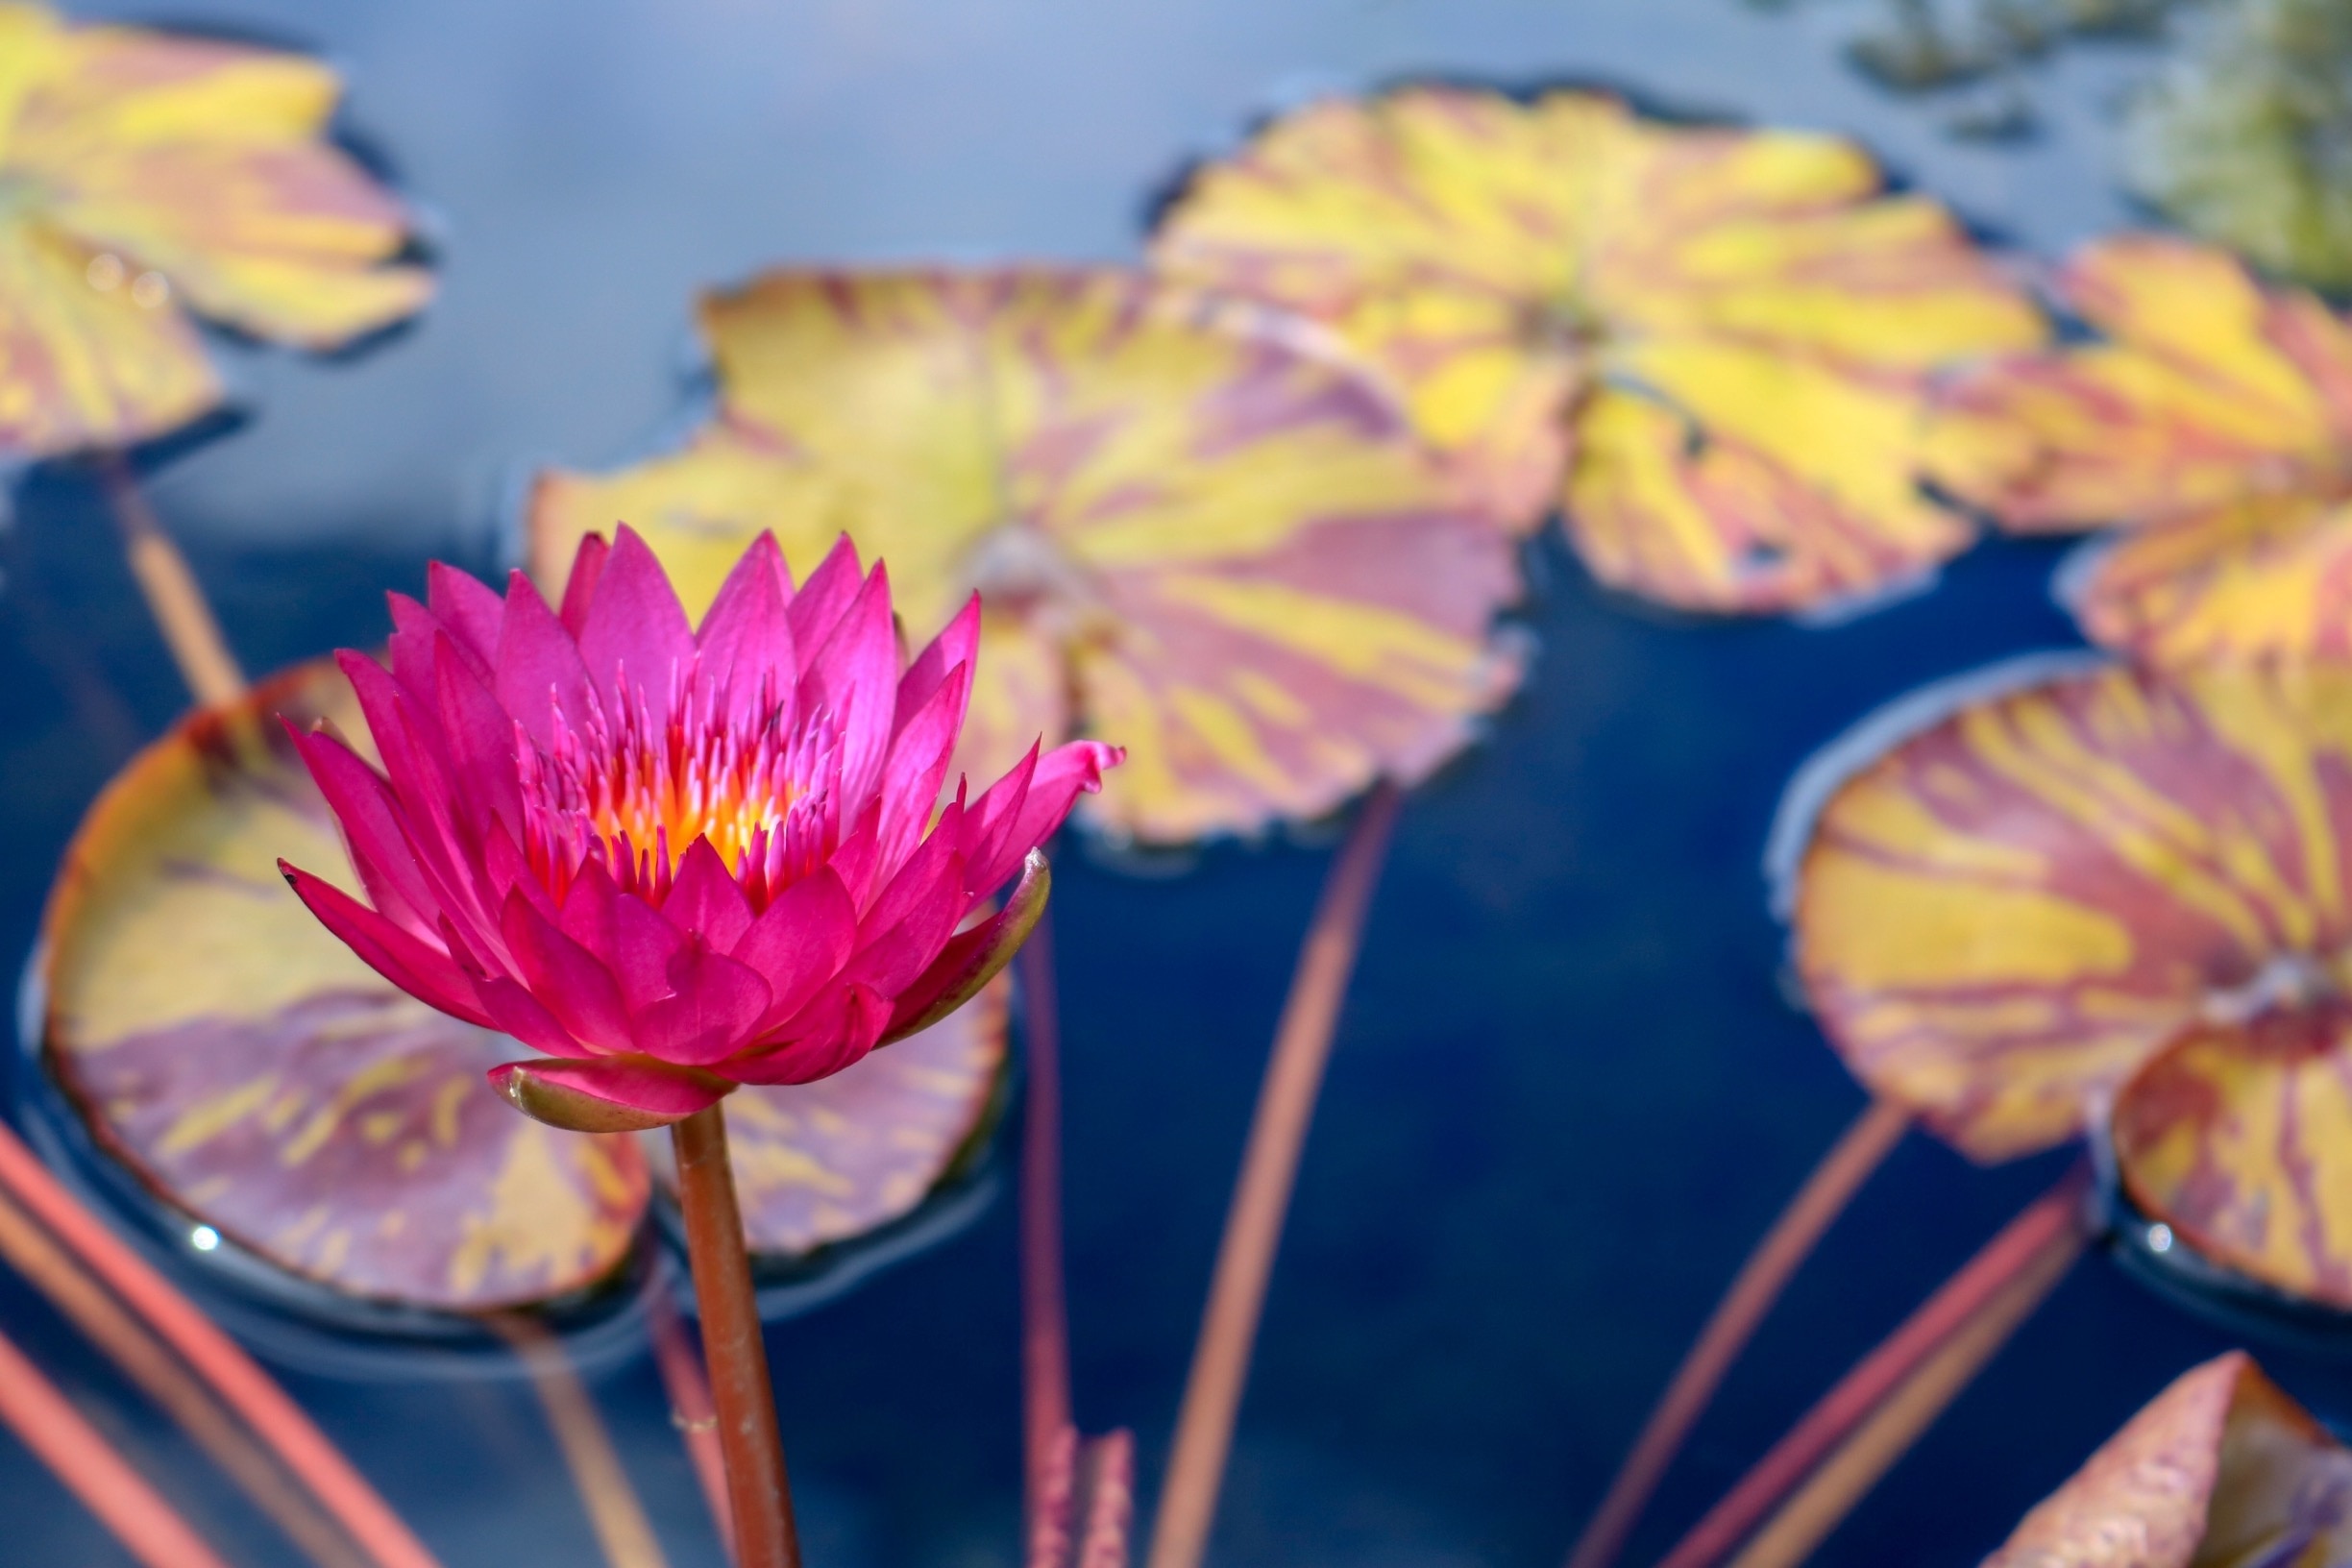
[1567,1095]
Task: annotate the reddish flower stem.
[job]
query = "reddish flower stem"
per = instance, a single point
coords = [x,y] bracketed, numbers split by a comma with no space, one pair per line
[1269,1168]
[249,1391]
[174,597]
[1761,1279]
[38,1255]
[2052,1222]
[1045,1375]
[62,1438]
[1847,1475]
[759,1495]
[691,1411]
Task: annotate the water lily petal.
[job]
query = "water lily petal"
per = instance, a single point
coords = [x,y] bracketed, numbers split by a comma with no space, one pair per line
[801,940]
[635,625]
[972,958]
[606,1096]
[539,666]
[841,1026]
[705,900]
[713,1010]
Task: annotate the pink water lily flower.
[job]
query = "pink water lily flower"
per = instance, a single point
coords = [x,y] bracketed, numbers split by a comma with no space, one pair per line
[678,860]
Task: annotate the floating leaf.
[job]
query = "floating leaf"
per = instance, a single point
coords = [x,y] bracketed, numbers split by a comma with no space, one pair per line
[254,1075]
[827,1162]
[1193,533]
[1718,340]
[139,171]
[2214,423]
[2222,1468]
[2239,1135]
[2001,918]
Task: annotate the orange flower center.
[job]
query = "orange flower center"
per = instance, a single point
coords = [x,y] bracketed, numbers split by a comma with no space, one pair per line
[637,796]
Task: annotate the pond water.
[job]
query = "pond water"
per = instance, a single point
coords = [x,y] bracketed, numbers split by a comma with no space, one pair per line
[1568,1094]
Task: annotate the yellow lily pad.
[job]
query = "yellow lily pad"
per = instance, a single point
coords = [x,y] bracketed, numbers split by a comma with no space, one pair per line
[1193,533]
[143,172]
[2212,426]
[2239,1135]
[2001,918]
[1714,345]
[232,1053]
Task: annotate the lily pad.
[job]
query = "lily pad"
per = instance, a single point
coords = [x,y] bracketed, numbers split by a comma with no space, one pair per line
[2002,918]
[234,1057]
[251,1071]
[141,172]
[1193,530]
[1713,345]
[2221,1468]
[2212,426]
[2239,1137]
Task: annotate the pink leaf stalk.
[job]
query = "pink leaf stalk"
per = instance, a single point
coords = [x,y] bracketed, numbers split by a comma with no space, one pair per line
[674,859]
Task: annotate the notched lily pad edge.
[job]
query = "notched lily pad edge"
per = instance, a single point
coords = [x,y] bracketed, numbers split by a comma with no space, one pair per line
[1877,734]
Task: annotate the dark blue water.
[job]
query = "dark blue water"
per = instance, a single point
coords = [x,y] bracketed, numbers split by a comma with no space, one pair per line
[1568,1092]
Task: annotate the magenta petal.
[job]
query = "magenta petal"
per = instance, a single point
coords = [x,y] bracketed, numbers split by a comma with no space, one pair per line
[704,898]
[479,736]
[930,883]
[410,645]
[605,1095]
[370,817]
[801,940]
[715,1005]
[958,643]
[506,872]
[580,583]
[514,1011]
[636,627]
[566,979]
[854,677]
[824,597]
[831,1034]
[855,859]
[588,909]
[748,625]
[469,609]
[918,766]
[972,958]
[643,946]
[416,966]
[1061,776]
[538,665]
